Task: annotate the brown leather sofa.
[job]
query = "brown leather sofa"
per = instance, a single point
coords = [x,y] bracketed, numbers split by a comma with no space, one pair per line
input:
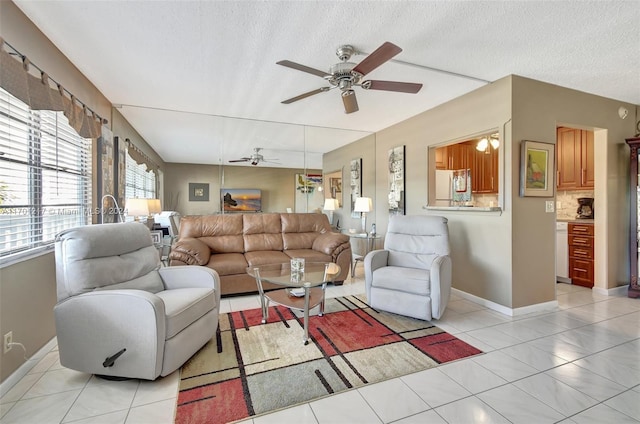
[229,243]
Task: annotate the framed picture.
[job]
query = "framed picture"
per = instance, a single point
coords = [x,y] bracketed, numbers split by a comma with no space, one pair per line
[156,236]
[537,169]
[356,184]
[198,192]
[396,181]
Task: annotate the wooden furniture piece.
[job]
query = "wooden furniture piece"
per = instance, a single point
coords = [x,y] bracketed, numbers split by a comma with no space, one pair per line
[634,224]
[581,237]
[575,154]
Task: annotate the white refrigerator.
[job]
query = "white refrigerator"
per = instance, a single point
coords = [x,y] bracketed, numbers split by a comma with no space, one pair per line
[444,187]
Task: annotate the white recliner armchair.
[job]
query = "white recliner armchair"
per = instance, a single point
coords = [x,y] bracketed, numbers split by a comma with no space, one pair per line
[119,314]
[412,275]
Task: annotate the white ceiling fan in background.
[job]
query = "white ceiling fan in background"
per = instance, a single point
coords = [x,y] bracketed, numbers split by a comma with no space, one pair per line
[255,158]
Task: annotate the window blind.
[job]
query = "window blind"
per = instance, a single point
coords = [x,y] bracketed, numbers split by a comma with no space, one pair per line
[140,183]
[45,176]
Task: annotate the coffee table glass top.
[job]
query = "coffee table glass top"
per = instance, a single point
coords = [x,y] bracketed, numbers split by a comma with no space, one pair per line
[280,274]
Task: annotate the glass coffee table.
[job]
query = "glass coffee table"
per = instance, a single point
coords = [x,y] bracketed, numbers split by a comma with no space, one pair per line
[301,290]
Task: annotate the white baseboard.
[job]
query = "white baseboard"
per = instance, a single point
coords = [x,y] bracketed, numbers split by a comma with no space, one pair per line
[24,369]
[538,307]
[616,291]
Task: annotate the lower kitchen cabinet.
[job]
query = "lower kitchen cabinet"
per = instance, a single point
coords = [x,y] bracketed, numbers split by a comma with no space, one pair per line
[581,258]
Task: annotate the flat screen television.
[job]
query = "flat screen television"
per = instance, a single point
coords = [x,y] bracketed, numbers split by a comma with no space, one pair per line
[240,200]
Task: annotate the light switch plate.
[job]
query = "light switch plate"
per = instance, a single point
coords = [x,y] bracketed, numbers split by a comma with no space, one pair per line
[549,206]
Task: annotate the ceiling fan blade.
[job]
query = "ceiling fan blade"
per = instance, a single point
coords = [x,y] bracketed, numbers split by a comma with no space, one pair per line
[350,102]
[305,95]
[240,160]
[303,68]
[403,87]
[377,58]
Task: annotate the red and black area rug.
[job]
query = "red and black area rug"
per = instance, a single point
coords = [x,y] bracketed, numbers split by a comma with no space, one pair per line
[254,368]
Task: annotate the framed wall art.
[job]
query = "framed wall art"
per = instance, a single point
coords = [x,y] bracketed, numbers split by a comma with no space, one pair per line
[537,169]
[198,192]
[396,181]
[356,184]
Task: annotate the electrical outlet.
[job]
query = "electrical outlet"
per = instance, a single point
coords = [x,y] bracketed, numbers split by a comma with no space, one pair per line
[549,204]
[558,205]
[8,339]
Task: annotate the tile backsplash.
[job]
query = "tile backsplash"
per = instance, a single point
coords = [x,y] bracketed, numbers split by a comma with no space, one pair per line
[567,203]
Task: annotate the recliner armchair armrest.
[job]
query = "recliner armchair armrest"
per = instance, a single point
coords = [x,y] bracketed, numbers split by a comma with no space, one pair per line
[187,276]
[190,251]
[374,260]
[440,285]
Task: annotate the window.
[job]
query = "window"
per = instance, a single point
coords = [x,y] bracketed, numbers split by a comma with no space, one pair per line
[140,182]
[45,176]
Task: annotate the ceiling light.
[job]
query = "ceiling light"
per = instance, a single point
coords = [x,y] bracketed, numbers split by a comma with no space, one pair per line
[484,143]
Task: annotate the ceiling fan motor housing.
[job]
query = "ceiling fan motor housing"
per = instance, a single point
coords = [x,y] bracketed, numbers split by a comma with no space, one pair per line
[341,75]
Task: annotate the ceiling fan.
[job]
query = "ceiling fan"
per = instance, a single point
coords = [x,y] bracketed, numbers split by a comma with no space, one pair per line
[345,75]
[255,158]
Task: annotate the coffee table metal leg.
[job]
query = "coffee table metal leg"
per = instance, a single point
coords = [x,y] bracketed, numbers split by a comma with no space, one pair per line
[307,291]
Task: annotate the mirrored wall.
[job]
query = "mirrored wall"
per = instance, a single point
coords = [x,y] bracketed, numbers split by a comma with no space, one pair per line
[217,164]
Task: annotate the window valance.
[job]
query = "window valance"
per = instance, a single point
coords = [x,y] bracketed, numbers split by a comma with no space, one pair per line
[140,158]
[38,94]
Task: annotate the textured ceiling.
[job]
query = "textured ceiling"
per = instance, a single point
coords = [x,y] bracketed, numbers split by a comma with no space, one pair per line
[199,81]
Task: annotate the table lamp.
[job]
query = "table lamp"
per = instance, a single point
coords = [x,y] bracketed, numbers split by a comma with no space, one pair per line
[363,205]
[330,205]
[137,208]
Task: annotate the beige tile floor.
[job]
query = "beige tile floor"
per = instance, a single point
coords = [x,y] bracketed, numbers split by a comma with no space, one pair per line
[576,364]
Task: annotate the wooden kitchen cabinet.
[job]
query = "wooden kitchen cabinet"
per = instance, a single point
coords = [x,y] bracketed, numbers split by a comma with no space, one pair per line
[483,165]
[484,175]
[455,156]
[575,159]
[581,258]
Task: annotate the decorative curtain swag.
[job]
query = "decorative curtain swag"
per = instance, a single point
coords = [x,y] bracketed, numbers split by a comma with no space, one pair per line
[38,94]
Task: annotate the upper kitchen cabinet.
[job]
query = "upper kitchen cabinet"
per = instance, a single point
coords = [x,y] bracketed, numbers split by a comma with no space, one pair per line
[455,156]
[575,156]
[484,175]
[482,163]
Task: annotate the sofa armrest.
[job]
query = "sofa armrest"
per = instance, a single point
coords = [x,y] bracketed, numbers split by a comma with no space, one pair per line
[180,277]
[440,285]
[190,251]
[93,326]
[331,243]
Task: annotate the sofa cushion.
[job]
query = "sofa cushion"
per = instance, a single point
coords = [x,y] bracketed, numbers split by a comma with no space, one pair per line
[185,306]
[414,280]
[309,255]
[262,232]
[228,263]
[266,257]
[222,233]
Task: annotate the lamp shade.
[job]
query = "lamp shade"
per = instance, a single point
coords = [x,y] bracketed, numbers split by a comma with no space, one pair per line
[137,207]
[363,204]
[154,206]
[330,204]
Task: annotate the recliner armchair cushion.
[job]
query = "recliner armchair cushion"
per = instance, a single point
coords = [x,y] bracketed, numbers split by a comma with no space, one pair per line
[185,306]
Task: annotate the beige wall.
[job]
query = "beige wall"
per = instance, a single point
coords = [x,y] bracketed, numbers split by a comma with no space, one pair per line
[27,297]
[508,257]
[277,185]
[538,109]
